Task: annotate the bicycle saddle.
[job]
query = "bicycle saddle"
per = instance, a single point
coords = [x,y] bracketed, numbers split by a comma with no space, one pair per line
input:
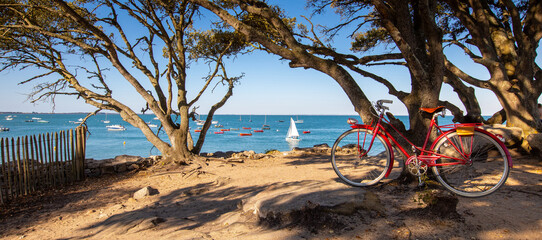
[433,110]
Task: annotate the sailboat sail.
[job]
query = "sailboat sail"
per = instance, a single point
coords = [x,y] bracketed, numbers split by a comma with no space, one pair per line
[292,131]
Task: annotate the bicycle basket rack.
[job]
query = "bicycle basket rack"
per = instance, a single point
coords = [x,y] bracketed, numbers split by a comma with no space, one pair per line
[462,129]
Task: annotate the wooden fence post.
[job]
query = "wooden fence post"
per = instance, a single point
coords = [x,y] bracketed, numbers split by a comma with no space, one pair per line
[32,163]
[3,196]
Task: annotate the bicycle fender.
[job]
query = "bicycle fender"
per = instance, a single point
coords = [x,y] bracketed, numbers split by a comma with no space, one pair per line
[508,157]
[392,157]
[360,126]
[510,162]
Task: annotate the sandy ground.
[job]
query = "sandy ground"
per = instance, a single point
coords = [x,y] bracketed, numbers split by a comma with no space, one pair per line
[214,204]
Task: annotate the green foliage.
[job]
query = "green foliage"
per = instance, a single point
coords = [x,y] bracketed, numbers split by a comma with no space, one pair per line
[212,43]
[264,26]
[365,41]
[426,196]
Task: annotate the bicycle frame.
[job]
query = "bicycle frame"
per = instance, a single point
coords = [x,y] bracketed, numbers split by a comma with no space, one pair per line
[426,156]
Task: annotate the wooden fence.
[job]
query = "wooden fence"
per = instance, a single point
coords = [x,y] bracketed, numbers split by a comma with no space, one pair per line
[37,163]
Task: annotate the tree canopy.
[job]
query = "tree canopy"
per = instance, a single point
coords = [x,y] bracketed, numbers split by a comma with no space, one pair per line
[150,44]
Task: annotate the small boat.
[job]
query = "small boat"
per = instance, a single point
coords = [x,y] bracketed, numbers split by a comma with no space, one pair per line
[115,127]
[265,126]
[9,118]
[225,130]
[214,122]
[197,130]
[220,132]
[43,121]
[305,132]
[247,128]
[152,125]
[29,120]
[245,134]
[258,130]
[4,129]
[297,120]
[106,121]
[292,135]
[219,126]
[36,118]
[234,129]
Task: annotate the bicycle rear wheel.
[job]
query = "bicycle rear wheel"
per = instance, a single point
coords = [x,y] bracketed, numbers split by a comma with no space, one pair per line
[486,169]
[356,161]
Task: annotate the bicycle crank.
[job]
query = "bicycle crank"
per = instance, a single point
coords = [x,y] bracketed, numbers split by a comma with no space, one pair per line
[416,167]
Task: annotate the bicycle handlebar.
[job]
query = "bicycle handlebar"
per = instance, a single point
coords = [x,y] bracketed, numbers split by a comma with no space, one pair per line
[380,104]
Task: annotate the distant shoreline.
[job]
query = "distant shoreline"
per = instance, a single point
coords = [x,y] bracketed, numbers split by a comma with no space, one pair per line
[226,114]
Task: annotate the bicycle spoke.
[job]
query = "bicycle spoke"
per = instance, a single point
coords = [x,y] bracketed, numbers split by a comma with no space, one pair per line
[485,168]
[357,160]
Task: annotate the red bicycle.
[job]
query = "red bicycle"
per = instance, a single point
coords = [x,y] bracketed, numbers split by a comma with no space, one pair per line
[465,158]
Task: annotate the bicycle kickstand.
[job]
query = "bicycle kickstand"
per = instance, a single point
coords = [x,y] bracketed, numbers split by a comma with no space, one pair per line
[421,183]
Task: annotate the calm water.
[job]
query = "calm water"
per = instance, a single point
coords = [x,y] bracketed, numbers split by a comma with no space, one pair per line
[103,144]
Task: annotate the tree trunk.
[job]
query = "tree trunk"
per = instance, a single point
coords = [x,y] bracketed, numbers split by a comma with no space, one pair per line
[520,112]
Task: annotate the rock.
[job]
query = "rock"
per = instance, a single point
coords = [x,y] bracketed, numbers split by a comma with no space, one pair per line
[133,167]
[219,154]
[512,135]
[107,168]
[146,191]
[120,167]
[323,145]
[311,204]
[281,199]
[127,159]
[249,154]
[92,164]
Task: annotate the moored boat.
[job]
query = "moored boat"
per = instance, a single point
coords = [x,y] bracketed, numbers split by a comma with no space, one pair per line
[293,134]
[115,127]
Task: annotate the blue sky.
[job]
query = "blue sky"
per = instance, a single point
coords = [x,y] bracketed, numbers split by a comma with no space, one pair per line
[270,86]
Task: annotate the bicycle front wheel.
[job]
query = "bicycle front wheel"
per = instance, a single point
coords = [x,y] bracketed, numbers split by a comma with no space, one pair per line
[485,170]
[358,161]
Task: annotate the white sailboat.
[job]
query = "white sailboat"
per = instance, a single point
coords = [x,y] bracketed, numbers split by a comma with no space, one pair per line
[293,135]
[297,120]
[265,126]
[106,121]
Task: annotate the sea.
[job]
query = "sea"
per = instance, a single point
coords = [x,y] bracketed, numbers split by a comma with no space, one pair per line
[104,144]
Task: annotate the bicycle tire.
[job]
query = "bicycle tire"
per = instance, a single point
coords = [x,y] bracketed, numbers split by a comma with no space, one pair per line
[357,170]
[486,170]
